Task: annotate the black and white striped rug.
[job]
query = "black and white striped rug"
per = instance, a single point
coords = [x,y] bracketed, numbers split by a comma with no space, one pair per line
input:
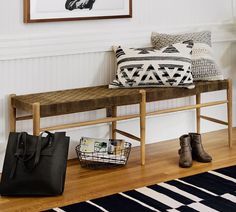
[207,192]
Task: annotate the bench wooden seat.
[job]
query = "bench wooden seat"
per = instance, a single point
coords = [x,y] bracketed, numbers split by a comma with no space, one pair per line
[92,98]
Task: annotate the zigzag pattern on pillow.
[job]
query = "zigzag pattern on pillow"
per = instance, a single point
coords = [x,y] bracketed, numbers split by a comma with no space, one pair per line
[148,67]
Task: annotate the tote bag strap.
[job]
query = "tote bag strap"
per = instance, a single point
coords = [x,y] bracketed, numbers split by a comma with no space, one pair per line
[21,150]
[21,142]
[39,146]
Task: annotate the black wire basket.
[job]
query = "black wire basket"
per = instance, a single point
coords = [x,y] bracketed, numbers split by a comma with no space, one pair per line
[100,160]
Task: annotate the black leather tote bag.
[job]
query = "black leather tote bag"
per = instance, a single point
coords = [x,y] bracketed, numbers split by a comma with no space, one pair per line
[35,165]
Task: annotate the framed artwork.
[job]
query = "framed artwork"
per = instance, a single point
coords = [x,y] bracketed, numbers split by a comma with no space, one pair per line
[68,10]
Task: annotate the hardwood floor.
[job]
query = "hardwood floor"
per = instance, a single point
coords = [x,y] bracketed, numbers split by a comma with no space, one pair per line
[161,165]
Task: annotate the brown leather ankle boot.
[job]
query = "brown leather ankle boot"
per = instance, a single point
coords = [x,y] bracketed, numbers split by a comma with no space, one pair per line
[185,152]
[198,152]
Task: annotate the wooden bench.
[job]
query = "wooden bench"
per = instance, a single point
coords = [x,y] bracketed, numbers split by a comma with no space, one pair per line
[63,102]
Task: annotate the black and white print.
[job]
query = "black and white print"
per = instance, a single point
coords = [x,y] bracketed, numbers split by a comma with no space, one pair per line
[79,4]
[148,67]
[68,10]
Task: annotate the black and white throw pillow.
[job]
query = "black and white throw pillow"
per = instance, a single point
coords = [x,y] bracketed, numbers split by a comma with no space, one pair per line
[203,63]
[149,67]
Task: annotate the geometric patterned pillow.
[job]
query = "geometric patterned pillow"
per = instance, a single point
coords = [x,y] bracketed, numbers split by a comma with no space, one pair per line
[203,64]
[149,67]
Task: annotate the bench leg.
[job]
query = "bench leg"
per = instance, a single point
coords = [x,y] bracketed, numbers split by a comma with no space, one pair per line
[143,125]
[36,119]
[114,123]
[229,108]
[12,114]
[198,113]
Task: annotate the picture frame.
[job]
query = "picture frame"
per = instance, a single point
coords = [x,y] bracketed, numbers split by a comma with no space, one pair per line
[72,10]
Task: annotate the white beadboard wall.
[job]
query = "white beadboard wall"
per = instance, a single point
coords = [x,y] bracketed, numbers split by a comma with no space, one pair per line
[51,56]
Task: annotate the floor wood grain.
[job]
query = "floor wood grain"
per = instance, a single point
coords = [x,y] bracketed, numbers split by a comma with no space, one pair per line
[161,165]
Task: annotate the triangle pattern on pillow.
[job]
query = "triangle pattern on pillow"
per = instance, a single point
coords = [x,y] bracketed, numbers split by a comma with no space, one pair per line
[169,67]
[170,49]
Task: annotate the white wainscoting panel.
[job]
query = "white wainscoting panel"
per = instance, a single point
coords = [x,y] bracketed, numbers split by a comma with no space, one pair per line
[53,56]
[22,76]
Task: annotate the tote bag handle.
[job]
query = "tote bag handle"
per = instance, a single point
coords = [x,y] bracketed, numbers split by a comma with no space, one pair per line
[23,156]
[39,146]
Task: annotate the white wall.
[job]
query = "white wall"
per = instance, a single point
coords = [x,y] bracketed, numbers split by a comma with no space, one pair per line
[51,56]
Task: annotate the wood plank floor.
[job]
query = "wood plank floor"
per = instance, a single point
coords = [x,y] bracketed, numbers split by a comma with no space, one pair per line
[161,165]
